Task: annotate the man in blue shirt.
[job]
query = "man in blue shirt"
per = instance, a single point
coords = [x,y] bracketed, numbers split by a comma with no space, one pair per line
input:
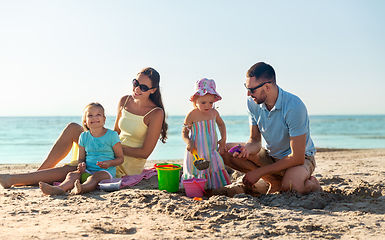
[287,161]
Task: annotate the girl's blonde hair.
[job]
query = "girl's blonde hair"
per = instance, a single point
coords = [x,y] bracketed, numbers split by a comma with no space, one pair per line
[194,100]
[93,104]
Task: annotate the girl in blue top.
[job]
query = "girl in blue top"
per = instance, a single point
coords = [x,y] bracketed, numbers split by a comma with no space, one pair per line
[100,151]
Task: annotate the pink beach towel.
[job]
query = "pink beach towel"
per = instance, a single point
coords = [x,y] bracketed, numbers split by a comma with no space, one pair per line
[135,179]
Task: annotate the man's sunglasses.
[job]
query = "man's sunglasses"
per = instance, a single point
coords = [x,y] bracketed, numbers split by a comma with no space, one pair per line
[143,88]
[251,90]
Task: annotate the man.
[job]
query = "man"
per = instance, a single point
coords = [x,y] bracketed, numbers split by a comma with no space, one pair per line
[281,117]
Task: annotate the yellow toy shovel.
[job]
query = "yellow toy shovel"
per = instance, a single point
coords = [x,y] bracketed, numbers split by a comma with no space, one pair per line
[200,163]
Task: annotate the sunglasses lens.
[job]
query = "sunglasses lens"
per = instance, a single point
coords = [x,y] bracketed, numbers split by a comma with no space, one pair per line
[142,87]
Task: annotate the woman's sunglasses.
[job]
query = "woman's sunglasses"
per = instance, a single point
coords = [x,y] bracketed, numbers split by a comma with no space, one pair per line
[143,88]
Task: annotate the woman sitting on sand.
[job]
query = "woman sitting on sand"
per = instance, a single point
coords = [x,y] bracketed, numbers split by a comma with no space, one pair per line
[140,122]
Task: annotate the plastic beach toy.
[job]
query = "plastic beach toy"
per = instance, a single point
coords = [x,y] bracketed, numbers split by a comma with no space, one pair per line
[168,176]
[235,149]
[110,185]
[194,187]
[200,163]
[84,177]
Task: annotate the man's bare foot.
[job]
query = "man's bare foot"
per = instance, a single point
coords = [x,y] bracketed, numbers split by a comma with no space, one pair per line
[318,187]
[5,180]
[275,186]
[50,190]
[274,189]
[77,187]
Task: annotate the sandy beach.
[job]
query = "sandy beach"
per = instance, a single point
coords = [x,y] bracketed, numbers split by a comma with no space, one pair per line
[352,206]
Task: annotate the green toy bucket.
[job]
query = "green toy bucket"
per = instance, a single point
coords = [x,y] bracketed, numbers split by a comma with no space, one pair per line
[168,176]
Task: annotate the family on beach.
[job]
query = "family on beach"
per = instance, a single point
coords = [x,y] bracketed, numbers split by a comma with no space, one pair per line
[287,161]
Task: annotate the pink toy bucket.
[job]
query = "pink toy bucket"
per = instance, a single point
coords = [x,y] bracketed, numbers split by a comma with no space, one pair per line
[194,187]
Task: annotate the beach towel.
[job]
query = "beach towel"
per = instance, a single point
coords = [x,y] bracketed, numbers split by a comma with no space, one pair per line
[135,179]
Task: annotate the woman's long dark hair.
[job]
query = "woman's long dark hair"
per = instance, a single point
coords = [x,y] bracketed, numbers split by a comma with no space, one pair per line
[156,97]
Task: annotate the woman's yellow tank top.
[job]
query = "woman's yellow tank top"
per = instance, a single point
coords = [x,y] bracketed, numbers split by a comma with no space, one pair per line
[132,133]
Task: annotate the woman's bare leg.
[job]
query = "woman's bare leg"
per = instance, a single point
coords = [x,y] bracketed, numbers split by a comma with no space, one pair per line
[46,172]
[49,176]
[62,146]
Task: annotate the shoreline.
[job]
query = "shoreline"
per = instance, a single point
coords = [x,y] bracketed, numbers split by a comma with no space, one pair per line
[180,161]
[352,206]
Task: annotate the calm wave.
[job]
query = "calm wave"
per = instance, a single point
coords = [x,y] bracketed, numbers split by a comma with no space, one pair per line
[29,139]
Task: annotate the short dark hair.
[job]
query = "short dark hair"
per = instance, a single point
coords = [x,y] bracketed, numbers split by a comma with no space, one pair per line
[261,70]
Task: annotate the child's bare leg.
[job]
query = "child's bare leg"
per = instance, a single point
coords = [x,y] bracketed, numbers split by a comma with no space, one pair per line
[49,176]
[62,146]
[77,187]
[50,190]
[91,183]
[66,185]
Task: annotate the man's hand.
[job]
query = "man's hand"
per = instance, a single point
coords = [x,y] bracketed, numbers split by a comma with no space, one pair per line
[239,152]
[251,178]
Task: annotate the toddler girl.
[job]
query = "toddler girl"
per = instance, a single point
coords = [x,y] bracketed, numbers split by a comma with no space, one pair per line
[199,132]
[100,151]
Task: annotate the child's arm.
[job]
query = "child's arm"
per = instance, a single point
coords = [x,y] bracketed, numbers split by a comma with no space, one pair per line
[222,129]
[119,159]
[186,132]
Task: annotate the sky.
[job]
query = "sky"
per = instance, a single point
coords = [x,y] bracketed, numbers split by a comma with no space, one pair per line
[58,56]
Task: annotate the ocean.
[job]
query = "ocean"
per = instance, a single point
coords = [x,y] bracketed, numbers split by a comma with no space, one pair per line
[29,139]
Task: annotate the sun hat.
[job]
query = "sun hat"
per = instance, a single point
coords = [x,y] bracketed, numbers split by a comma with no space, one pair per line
[204,86]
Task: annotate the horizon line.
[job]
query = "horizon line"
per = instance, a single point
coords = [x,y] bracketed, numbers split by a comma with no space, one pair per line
[310,115]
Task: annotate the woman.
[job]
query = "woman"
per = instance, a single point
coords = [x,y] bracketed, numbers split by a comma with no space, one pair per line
[140,121]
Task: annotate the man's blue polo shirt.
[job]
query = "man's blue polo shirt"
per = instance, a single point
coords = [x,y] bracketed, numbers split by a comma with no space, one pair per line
[288,118]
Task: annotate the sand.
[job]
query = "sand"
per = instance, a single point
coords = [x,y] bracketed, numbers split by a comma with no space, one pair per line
[352,206]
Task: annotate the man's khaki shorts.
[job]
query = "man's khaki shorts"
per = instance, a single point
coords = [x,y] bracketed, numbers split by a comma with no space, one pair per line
[265,159]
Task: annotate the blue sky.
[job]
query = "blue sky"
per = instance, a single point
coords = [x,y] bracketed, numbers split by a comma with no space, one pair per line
[57,56]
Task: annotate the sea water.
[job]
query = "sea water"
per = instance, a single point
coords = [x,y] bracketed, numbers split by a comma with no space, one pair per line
[29,139]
